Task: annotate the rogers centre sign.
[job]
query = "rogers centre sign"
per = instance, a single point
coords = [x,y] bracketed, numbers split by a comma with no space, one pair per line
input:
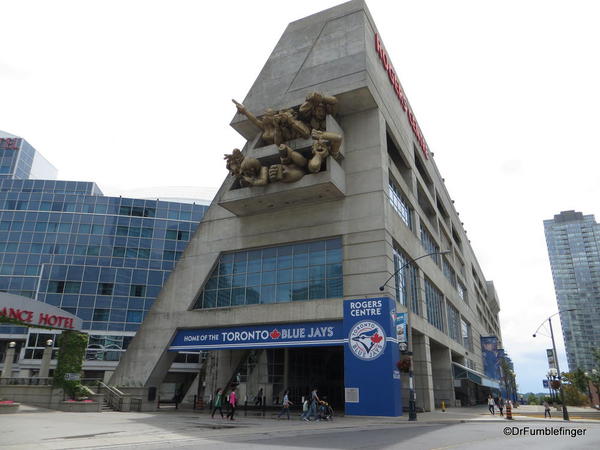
[387,65]
[32,313]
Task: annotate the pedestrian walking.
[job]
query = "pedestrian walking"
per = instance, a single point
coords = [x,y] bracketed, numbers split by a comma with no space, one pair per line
[501,405]
[547,410]
[218,403]
[314,403]
[286,405]
[232,402]
[490,402]
[304,408]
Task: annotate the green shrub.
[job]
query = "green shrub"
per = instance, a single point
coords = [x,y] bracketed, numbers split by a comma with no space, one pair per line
[72,346]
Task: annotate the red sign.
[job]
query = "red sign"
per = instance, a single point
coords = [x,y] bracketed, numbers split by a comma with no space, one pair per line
[387,65]
[43,319]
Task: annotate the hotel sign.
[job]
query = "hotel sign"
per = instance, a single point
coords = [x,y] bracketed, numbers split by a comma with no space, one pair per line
[23,311]
[387,65]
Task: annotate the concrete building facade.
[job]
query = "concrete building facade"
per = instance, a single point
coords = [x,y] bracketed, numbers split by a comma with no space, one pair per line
[573,241]
[283,254]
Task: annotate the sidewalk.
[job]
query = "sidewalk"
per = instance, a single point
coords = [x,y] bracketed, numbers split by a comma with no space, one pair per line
[46,429]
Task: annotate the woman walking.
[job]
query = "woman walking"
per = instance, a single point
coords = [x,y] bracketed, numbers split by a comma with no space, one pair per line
[218,403]
[286,405]
[232,402]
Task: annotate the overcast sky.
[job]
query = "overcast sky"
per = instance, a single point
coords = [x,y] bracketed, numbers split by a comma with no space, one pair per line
[134,94]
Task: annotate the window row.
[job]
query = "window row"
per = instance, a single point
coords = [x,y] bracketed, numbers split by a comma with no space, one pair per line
[400,204]
[274,293]
[303,271]
[75,287]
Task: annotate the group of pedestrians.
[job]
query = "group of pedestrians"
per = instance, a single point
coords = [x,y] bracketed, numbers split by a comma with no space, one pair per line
[230,401]
[310,407]
[494,403]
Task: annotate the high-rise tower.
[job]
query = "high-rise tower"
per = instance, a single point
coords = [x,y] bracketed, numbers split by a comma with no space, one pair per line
[574,249]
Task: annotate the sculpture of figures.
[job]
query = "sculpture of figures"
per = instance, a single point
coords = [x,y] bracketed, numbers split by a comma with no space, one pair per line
[316,107]
[277,127]
[324,144]
[234,162]
[291,168]
[253,173]
[334,140]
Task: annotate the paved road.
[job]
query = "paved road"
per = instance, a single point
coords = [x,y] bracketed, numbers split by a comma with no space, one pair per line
[465,428]
[468,435]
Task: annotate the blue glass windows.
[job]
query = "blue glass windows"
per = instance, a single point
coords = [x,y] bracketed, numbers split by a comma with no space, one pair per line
[295,272]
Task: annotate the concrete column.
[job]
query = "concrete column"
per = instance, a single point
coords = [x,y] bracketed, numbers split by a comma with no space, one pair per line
[8,360]
[443,380]
[46,357]
[422,372]
[286,371]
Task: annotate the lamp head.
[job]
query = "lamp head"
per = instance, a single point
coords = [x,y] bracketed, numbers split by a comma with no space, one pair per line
[533,334]
[12,344]
[381,288]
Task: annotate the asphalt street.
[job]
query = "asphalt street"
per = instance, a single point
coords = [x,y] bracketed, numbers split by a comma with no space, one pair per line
[460,428]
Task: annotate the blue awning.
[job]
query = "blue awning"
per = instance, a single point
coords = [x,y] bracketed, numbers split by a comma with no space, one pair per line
[464,373]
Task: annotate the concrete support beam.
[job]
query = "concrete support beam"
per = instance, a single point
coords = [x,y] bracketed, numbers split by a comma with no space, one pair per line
[443,380]
[422,372]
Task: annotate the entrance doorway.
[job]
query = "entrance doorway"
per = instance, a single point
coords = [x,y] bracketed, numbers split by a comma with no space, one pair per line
[320,367]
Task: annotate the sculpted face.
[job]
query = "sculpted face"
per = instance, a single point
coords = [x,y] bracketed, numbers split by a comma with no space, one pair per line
[320,111]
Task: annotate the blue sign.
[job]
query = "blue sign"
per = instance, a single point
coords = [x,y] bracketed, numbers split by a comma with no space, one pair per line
[489,350]
[401,332]
[371,378]
[260,336]
[545,384]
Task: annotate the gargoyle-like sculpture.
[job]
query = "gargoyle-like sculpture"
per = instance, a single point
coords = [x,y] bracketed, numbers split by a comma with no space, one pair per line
[281,126]
[292,167]
[234,162]
[324,144]
[253,173]
[249,171]
[315,109]
[277,126]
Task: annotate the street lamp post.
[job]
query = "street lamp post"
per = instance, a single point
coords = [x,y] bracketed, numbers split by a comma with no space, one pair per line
[561,390]
[412,407]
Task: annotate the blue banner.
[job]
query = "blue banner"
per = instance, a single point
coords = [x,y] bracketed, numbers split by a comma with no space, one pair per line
[489,351]
[371,378]
[260,336]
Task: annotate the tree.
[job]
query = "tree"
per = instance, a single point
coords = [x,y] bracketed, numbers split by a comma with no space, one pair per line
[573,396]
[578,380]
[72,345]
[532,399]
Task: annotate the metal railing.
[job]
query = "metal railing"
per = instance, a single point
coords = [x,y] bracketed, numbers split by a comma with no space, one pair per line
[22,381]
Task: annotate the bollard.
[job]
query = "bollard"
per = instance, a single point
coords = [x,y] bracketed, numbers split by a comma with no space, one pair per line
[509,411]
[443,406]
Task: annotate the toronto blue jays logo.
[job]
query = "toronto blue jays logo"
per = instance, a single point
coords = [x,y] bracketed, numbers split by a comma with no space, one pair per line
[367,340]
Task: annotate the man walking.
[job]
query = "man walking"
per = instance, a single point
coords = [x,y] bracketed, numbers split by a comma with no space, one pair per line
[490,402]
[314,402]
[286,405]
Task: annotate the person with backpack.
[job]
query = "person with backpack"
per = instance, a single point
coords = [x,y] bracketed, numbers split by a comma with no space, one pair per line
[218,403]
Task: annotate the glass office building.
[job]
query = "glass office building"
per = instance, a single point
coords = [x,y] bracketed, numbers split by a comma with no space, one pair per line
[574,249]
[102,258]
